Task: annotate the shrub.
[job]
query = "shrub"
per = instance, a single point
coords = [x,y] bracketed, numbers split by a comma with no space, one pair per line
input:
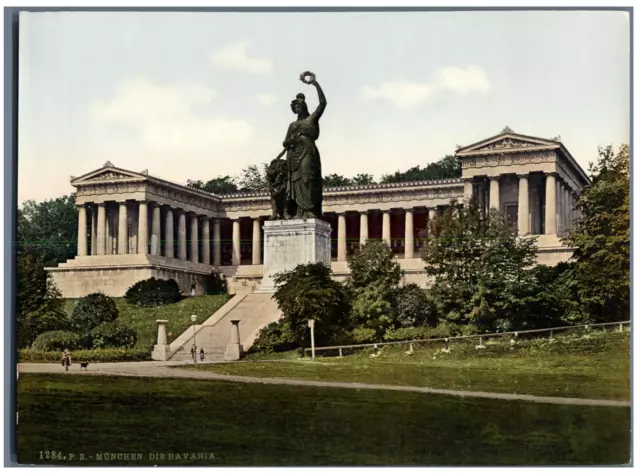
[95,355]
[276,337]
[113,335]
[92,310]
[426,332]
[59,341]
[412,307]
[153,292]
[361,335]
[216,284]
[372,307]
[374,263]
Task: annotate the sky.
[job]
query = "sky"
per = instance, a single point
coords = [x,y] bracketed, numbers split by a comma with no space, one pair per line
[201,95]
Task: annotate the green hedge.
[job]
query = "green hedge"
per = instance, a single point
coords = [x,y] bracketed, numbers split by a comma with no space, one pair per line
[153,292]
[95,355]
[60,340]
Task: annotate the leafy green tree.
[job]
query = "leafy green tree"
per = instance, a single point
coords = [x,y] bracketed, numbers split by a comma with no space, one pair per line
[91,311]
[39,307]
[481,269]
[362,179]
[447,167]
[254,179]
[602,238]
[412,307]
[50,228]
[219,185]
[374,262]
[371,307]
[334,180]
[309,292]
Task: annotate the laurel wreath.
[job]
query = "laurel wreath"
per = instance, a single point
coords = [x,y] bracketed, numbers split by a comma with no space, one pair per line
[307,77]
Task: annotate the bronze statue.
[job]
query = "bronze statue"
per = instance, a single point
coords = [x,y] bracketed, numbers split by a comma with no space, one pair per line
[303,182]
[277,179]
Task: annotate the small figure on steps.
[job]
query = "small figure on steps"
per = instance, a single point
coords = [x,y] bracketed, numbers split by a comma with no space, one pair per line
[201,354]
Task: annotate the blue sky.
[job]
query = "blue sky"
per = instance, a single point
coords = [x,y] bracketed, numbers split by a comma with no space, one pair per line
[197,95]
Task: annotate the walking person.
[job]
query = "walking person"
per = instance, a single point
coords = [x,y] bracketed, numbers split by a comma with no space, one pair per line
[202,354]
[193,353]
[66,359]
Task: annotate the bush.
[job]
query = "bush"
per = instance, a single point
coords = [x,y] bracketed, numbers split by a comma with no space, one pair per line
[426,332]
[276,337]
[412,307]
[92,310]
[216,284]
[95,355]
[113,335]
[59,341]
[153,292]
[361,335]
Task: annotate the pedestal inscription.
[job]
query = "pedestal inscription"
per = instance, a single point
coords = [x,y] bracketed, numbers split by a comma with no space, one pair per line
[289,243]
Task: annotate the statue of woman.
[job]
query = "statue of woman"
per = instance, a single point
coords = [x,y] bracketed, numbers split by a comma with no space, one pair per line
[304,172]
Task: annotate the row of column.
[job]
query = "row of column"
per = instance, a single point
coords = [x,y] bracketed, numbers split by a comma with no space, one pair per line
[151,242]
[560,212]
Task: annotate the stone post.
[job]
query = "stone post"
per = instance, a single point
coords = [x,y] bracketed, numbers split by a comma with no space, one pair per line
[217,256]
[235,255]
[234,348]
[168,230]
[82,231]
[364,227]
[386,226]
[523,204]
[161,349]
[123,237]
[143,231]
[102,227]
[408,233]
[342,237]
[155,230]
[494,192]
[255,243]
[550,205]
[206,243]
[195,258]
[182,235]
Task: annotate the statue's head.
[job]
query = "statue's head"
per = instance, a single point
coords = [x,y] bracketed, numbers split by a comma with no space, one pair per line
[298,105]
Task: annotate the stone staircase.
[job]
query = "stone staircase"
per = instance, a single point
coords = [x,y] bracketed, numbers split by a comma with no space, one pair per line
[253,310]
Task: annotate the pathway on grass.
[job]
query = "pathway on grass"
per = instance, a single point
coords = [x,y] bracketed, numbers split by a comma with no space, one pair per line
[173,370]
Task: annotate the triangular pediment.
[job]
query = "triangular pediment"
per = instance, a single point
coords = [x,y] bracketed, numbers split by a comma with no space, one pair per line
[508,142]
[107,173]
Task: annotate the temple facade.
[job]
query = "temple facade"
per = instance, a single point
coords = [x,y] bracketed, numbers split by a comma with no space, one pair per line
[133,226]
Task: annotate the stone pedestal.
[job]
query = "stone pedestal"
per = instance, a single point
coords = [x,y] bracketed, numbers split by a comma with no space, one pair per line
[161,349]
[234,348]
[289,243]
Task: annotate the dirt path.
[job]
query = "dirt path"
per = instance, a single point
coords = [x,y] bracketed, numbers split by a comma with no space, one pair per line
[173,370]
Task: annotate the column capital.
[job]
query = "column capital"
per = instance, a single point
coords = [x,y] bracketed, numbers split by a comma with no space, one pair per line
[522,175]
[553,174]
[494,178]
[364,212]
[409,209]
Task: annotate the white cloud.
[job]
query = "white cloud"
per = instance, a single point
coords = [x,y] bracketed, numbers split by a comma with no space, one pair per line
[267,99]
[164,117]
[234,56]
[407,94]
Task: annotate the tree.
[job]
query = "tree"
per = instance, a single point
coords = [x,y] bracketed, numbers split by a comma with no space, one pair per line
[374,262]
[335,180]
[49,228]
[601,238]
[91,311]
[40,307]
[219,185]
[254,179]
[362,179]
[482,270]
[372,309]
[447,167]
[309,292]
[412,307]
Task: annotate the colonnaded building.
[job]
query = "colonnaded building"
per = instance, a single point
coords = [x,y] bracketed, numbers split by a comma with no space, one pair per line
[133,226]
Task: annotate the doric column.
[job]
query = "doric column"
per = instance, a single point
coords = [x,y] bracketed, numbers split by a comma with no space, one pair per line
[342,237]
[386,226]
[82,230]
[155,229]
[364,227]
[206,243]
[123,237]
[567,211]
[550,205]
[468,189]
[559,207]
[255,244]
[195,258]
[102,228]
[182,235]
[235,252]
[94,229]
[168,231]
[494,192]
[523,204]
[109,229]
[143,231]
[217,255]
[408,233]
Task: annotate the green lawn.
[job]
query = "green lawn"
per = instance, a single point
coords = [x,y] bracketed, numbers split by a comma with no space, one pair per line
[249,424]
[594,366]
[143,320]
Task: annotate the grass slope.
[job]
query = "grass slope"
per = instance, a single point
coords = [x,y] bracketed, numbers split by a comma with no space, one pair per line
[248,425]
[143,320]
[590,366]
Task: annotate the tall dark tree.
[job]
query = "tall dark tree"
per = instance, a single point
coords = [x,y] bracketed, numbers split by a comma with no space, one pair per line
[447,167]
[253,179]
[601,238]
[219,185]
[334,180]
[49,228]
